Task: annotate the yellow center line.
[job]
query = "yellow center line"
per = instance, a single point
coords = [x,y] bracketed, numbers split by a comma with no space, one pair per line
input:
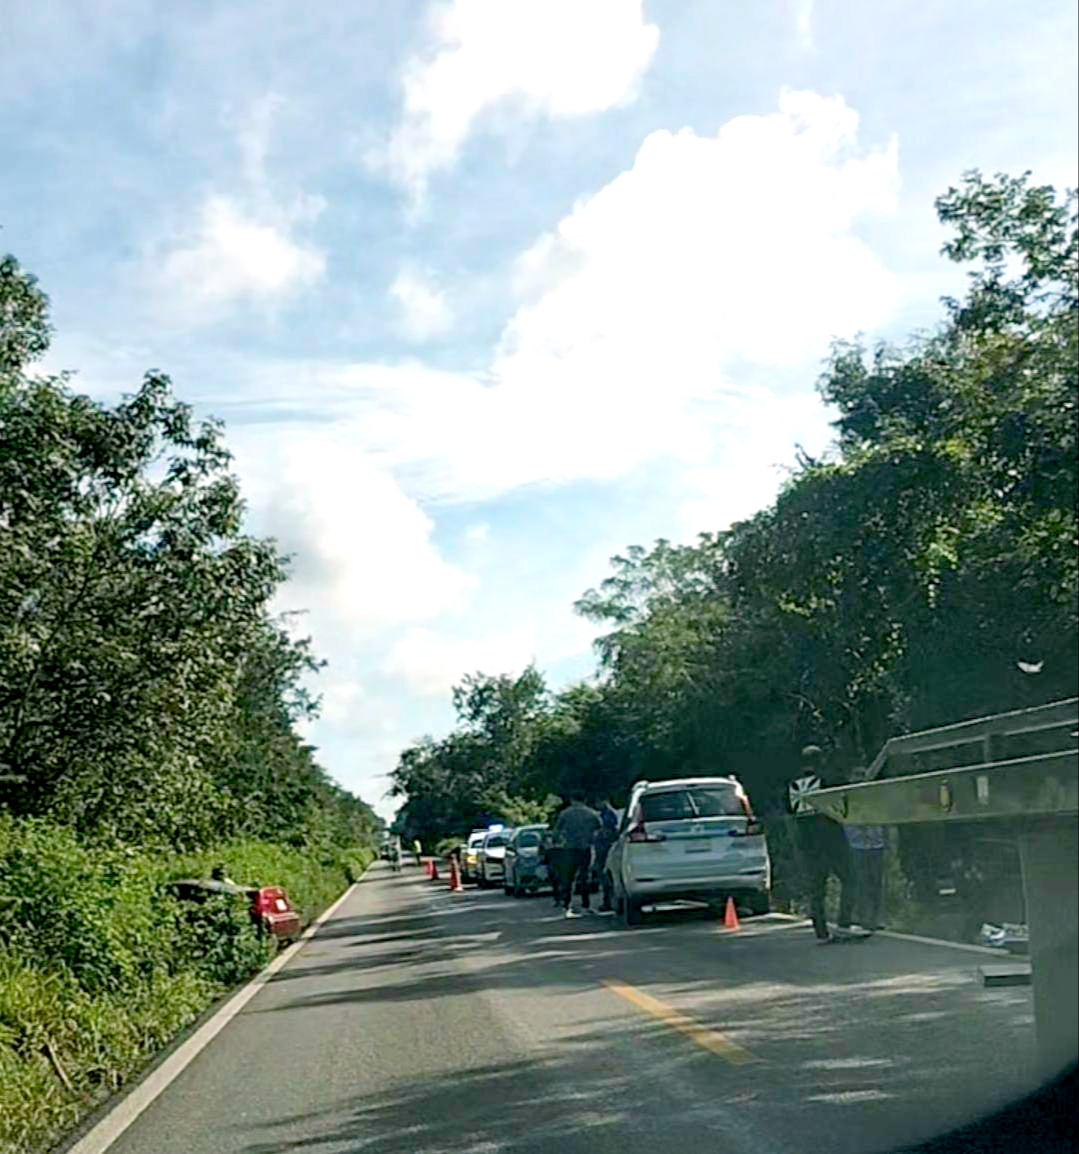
[707,1039]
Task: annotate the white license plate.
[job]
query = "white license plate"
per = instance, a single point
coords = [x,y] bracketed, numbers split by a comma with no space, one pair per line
[698,845]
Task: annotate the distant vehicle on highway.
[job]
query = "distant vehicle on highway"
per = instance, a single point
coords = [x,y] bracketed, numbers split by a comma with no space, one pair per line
[523,868]
[490,865]
[470,855]
[693,838]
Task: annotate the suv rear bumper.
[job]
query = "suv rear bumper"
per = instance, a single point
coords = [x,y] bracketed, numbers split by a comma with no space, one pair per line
[702,889]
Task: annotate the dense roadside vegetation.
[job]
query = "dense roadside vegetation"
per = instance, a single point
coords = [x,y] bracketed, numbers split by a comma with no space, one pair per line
[149,713]
[895,584]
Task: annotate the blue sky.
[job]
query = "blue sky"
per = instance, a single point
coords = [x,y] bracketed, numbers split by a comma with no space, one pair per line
[488,289]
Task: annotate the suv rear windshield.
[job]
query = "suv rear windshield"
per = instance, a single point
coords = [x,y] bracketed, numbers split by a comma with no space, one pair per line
[531,837]
[693,802]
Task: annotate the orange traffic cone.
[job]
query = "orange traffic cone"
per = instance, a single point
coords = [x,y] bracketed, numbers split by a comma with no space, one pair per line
[427,868]
[730,918]
[455,878]
[434,870]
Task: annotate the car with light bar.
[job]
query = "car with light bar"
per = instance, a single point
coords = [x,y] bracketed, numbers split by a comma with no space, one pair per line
[688,839]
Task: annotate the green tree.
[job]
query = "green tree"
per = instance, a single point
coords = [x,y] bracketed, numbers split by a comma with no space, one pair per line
[145,691]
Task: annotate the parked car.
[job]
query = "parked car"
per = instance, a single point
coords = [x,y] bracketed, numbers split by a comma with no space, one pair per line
[693,838]
[470,855]
[491,857]
[524,869]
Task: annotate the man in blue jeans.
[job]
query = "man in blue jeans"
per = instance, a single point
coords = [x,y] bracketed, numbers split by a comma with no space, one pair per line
[574,831]
[867,845]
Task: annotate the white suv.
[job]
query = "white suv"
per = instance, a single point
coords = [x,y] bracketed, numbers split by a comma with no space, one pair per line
[692,838]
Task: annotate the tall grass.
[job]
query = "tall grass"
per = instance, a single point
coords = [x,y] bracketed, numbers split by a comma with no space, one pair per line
[100,967]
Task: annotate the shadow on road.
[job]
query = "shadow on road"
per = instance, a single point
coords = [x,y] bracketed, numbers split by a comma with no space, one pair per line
[857,1048]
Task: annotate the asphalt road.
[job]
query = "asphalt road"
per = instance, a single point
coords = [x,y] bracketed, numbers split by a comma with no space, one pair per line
[421,1021]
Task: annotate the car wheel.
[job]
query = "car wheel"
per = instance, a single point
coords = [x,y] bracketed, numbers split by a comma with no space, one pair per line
[758,904]
[629,912]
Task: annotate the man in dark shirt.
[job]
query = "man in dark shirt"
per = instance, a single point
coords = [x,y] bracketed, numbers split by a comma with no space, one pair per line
[821,844]
[574,830]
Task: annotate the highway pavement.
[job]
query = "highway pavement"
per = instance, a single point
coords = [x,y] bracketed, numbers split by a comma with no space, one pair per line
[426,1022]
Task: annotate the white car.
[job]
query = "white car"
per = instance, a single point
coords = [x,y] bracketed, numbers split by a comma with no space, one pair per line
[470,855]
[692,838]
[490,866]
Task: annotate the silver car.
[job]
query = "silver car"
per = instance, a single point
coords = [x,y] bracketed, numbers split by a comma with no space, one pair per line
[692,838]
[523,866]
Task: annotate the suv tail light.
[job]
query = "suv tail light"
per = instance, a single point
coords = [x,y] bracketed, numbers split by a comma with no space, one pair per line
[638,832]
[753,824]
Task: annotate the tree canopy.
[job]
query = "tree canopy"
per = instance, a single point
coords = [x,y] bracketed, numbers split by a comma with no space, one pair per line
[146,692]
[911,577]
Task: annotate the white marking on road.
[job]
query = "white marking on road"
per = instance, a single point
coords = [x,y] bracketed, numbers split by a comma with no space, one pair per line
[970,947]
[847,1063]
[844,1097]
[105,1132]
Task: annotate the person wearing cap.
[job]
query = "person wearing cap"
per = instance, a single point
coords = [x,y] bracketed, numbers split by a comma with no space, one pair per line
[821,843]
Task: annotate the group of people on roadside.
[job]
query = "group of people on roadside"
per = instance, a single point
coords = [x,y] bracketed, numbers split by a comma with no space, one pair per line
[852,854]
[576,851]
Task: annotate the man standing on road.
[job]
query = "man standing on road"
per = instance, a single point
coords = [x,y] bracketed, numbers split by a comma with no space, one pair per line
[821,845]
[867,846]
[574,830]
[605,837]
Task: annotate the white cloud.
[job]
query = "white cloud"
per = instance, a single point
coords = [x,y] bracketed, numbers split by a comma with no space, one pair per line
[234,253]
[241,247]
[653,321]
[424,312]
[554,58]
[364,561]
[340,702]
[432,664]
[753,454]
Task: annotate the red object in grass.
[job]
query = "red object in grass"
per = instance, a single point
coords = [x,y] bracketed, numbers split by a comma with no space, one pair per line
[276,913]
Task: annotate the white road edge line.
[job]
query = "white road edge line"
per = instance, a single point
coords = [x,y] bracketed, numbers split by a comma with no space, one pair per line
[969,947]
[102,1135]
[920,938]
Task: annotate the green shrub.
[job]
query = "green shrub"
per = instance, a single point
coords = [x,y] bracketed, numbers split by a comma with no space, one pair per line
[62,904]
[100,966]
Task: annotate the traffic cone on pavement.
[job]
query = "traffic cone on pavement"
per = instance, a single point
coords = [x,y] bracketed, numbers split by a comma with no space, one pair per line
[455,878]
[434,870]
[730,918]
[427,867]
